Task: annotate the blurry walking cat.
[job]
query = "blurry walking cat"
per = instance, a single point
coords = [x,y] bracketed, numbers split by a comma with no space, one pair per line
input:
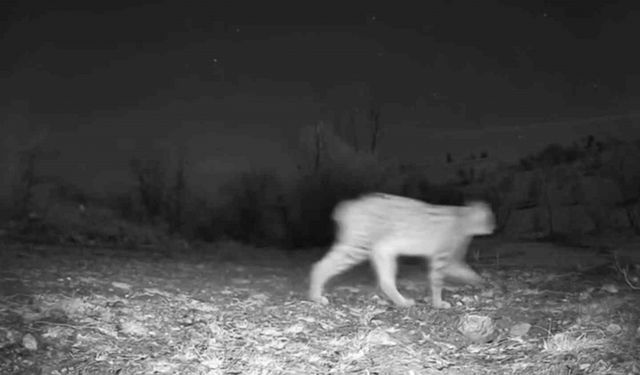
[381,227]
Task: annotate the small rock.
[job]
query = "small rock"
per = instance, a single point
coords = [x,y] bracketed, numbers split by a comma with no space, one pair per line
[133,329]
[380,337]
[585,294]
[121,285]
[614,329]
[519,330]
[296,328]
[8,337]
[610,288]
[477,328]
[487,293]
[29,342]
[584,366]
[57,314]
[467,300]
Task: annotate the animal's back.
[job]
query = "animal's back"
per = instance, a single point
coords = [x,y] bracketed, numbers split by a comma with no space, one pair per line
[365,221]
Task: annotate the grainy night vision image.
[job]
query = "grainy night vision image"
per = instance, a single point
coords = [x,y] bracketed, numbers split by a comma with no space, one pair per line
[314,188]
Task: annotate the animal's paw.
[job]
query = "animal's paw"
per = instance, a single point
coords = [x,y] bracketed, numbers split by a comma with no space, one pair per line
[442,305]
[320,300]
[405,302]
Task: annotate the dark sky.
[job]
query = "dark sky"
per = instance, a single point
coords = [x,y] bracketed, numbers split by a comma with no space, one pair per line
[188,76]
[583,52]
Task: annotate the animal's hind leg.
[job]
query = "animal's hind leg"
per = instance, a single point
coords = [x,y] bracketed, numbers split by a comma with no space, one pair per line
[340,258]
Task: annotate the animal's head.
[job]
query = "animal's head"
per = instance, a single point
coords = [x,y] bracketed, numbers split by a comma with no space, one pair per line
[479,218]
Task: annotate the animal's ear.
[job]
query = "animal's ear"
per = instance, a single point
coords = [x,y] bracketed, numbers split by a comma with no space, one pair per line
[477,204]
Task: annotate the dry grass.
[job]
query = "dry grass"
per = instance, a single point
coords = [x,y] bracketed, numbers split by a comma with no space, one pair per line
[229,309]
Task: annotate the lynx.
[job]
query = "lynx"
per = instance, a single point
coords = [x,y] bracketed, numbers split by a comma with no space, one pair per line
[381,227]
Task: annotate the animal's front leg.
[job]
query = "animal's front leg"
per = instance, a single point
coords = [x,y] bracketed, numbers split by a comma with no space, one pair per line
[461,272]
[384,260]
[436,281]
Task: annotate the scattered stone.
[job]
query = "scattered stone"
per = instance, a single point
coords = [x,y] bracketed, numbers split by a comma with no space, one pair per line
[489,293]
[8,337]
[477,328]
[295,328]
[29,342]
[586,294]
[380,337]
[611,288]
[584,366]
[467,300]
[614,329]
[133,329]
[519,329]
[121,285]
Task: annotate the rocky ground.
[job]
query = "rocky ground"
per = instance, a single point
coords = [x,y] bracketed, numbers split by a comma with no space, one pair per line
[232,309]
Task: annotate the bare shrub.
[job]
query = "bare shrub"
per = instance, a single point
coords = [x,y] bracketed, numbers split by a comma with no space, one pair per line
[623,168]
[150,176]
[330,170]
[499,193]
[248,201]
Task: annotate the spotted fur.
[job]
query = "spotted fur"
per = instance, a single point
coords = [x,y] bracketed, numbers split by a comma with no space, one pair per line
[381,227]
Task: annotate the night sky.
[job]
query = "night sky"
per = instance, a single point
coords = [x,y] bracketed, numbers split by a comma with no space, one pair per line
[102,82]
